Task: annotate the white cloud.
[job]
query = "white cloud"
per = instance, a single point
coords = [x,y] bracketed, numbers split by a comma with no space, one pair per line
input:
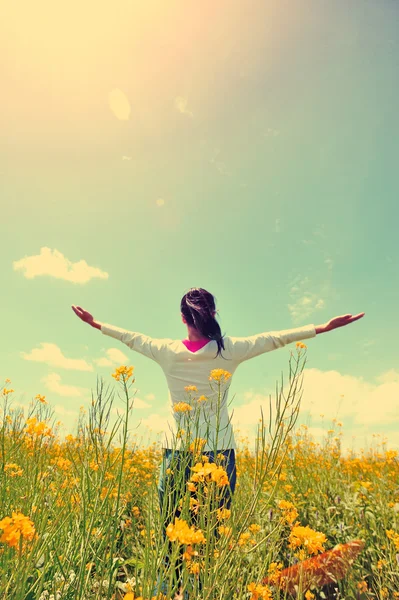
[52,356]
[362,407]
[305,306]
[103,362]
[390,376]
[115,357]
[54,264]
[119,104]
[305,303]
[329,262]
[270,132]
[53,383]
[181,106]
[366,345]
[61,410]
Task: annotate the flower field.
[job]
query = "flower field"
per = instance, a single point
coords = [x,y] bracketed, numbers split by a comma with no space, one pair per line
[80,516]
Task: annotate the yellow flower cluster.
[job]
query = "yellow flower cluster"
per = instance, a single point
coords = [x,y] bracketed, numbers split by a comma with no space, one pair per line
[219,375]
[300,345]
[290,512]
[13,469]
[191,388]
[208,472]
[14,527]
[181,532]
[394,537]
[224,530]
[223,513]
[274,571]
[42,399]
[258,591]
[305,536]
[35,427]
[182,407]
[123,370]
[5,391]
[197,445]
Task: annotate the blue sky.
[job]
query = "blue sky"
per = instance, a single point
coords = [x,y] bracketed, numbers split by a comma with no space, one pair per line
[249,149]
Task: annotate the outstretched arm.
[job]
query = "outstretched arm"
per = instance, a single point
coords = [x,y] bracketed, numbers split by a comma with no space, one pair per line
[144,344]
[249,347]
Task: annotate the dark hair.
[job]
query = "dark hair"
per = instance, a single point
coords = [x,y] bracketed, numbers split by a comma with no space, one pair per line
[197,307]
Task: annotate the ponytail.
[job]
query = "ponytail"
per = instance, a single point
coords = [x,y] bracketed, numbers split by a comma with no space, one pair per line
[198,306]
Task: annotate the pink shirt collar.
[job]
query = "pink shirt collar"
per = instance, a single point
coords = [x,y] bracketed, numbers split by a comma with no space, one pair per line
[194,346]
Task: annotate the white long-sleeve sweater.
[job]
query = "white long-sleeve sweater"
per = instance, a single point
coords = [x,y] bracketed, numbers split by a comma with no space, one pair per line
[184,368]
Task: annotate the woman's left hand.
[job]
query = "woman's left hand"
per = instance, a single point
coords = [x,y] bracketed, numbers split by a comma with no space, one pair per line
[83,314]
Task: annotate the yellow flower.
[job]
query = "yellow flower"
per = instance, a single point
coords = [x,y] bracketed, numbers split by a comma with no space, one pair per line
[362,586]
[191,388]
[290,512]
[223,513]
[274,572]
[194,568]
[197,445]
[207,472]
[300,345]
[305,536]
[16,526]
[182,407]
[244,537]
[259,592]
[223,530]
[34,427]
[202,399]
[219,375]
[13,469]
[381,563]
[189,553]
[309,595]
[41,398]
[394,537]
[5,392]
[181,532]
[127,372]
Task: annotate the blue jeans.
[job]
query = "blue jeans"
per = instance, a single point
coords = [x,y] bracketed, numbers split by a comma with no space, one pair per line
[179,462]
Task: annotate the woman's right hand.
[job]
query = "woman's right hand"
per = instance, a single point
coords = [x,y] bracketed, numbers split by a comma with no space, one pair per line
[342,321]
[83,315]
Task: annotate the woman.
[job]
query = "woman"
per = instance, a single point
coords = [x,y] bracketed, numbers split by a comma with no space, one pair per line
[189,362]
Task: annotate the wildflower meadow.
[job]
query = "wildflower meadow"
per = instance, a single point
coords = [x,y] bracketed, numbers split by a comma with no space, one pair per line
[80,517]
